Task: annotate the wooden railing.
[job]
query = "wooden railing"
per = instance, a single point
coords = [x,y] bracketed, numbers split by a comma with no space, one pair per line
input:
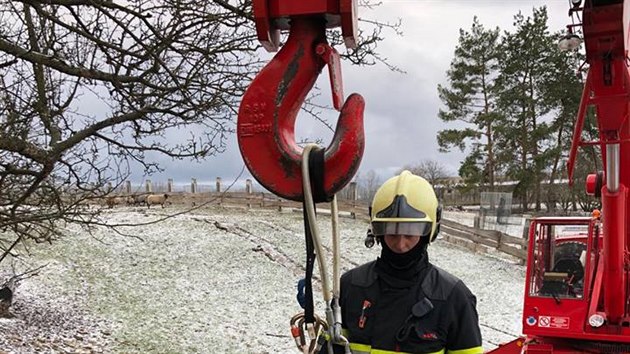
[478,239]
[258,200]
[470,237]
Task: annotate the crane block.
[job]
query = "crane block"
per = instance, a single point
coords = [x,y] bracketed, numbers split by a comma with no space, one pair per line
[271,16]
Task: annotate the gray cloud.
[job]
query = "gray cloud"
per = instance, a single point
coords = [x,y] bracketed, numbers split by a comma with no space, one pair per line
[401,109]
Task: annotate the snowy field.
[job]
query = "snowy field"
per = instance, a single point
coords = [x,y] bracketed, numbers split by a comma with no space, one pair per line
[212,281]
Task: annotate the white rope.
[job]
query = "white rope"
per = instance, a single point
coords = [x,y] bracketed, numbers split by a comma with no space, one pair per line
[310,213]
[333,318]
[336,249]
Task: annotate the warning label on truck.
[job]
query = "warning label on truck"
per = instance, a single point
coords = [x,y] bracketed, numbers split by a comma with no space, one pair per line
[553,322]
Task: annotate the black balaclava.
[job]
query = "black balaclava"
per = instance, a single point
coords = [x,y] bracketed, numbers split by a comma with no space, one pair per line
[403,266]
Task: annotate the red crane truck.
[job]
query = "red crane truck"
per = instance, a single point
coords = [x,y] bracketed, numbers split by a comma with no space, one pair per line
[577,289]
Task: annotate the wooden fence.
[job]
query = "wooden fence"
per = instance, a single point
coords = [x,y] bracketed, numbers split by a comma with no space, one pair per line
[478,239]
[259,200]
[472,238]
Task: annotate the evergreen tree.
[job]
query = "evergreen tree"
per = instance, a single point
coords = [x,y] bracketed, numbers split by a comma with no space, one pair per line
[562,90]
[470,171]
[471,98]
[525,130]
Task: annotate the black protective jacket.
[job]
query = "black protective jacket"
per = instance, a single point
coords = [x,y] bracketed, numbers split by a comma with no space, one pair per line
[432,312]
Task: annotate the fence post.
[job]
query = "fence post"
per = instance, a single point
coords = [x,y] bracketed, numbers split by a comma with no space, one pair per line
[193,185]
[480,219]
[248,186]
[499,239]
[169,185]
[528,221]
[149,186]
[248,191]
[354,195]
[128,187]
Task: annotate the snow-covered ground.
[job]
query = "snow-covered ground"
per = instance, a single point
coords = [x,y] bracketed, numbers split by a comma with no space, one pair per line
[212,281]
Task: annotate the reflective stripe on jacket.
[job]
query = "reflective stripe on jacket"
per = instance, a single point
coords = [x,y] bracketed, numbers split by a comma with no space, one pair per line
[357,348]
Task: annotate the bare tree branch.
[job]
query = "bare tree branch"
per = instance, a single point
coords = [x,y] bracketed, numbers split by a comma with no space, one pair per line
[93,89]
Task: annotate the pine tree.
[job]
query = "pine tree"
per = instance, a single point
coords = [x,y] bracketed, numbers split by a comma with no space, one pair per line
[562,90]
[525,130]
[471,98]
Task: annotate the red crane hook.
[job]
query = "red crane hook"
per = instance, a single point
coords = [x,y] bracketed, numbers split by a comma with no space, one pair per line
[266,117]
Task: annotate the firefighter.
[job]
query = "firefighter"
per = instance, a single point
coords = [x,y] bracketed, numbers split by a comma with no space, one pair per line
[401,302]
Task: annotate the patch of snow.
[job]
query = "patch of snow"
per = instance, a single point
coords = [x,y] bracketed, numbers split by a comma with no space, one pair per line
[218,281]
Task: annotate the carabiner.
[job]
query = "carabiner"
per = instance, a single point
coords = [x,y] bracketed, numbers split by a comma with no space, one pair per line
[266,117]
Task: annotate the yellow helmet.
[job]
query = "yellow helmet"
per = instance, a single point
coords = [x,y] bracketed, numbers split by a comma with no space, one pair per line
[405,205]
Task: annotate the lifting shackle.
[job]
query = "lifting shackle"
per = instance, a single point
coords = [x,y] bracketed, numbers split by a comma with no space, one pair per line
[266,117]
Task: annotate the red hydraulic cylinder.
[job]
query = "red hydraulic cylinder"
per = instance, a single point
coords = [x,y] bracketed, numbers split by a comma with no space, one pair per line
[614,225]
[577,129]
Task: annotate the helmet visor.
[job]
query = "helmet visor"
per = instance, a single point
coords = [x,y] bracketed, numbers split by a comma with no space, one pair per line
[401,228]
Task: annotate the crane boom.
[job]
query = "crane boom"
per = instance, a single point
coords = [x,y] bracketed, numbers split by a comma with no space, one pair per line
[577,293]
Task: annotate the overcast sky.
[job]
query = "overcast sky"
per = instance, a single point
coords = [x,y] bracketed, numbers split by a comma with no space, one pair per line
[401,120]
